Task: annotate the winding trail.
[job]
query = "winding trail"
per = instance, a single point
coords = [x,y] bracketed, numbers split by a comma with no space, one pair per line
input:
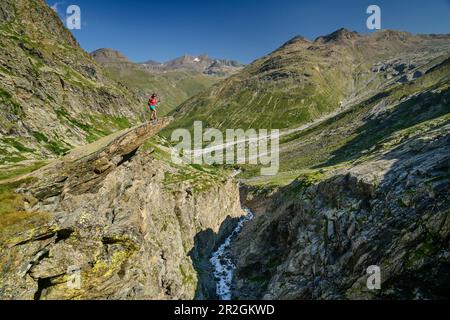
[256,139]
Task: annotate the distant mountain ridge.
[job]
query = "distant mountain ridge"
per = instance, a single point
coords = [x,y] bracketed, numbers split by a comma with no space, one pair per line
[304,79]
[202,63]
[174,81]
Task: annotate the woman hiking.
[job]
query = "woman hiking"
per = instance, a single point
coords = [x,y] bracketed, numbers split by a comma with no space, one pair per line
[152,103]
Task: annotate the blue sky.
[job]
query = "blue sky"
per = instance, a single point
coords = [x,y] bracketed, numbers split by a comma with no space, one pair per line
[235,29]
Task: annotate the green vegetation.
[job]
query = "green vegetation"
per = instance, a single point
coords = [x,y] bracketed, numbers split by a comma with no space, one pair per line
[17,170]
[15,158]
[8,100]
[173,87]
[40,137]
[309,179]
[353,136]
[425,249]
[99,126]
[14,142]
[261,280]
[45,50]
[282,90]
[56,147]
[371,134]
[74,77]
[107,123]
[10,202]
[4,70]
[13,215]
[188,277]
[4,94]
[200,177]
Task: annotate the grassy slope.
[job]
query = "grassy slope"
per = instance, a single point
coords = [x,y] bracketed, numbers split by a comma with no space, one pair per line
[294,85]
[298,83]
[45,74]
[358,135]
[173,87]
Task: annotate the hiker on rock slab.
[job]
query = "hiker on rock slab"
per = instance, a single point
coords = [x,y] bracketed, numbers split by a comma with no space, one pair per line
[152,104]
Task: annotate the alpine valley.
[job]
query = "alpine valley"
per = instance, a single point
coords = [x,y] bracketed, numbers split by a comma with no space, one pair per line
[86,181]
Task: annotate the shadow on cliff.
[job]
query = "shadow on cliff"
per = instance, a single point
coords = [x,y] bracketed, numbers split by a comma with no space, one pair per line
[422,269]
[417,186]
[426,165]
[412,196]
[425,203]
[424,107]
[205,243]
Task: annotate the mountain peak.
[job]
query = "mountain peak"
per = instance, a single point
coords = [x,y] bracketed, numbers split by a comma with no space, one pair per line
[392,35]
[201,63]
[106,55]
[297,40]
[338,36]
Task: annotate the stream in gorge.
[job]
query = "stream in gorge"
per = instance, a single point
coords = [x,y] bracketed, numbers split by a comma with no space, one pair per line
[222,260]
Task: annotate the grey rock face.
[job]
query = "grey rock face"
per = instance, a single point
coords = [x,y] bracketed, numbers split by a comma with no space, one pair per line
[114,216]
[316,242]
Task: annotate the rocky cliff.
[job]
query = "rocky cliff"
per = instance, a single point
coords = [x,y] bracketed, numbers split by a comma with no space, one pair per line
[133,225]
[373,191]
[315,240]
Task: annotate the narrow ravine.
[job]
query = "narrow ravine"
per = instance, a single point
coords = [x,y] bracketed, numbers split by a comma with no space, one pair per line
[222,261]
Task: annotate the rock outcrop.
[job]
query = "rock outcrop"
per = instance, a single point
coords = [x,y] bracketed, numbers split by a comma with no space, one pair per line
[200,64]
[369,187]
[174,81]
[303,80]
[316,238]
[114,212]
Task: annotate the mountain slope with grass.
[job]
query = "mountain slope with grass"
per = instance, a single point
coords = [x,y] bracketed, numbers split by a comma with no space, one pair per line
[175,81]
[53,95]
[304,80]
[364,162]
[370,126]
[368,186]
